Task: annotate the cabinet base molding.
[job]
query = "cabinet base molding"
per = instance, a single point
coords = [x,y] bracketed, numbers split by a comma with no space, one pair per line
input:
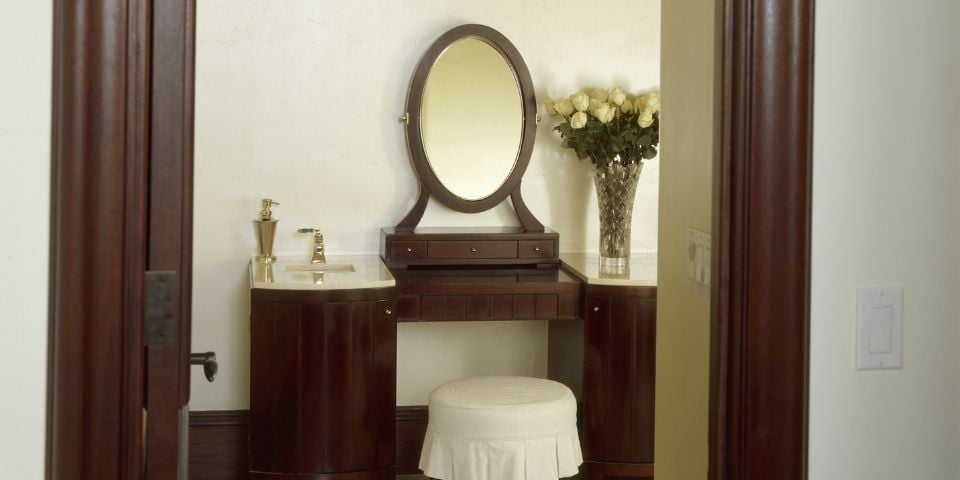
[219,450]
[379,474]
[618,471]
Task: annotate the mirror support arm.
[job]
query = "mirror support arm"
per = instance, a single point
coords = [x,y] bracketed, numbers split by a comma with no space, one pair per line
[409,223]
[527,220]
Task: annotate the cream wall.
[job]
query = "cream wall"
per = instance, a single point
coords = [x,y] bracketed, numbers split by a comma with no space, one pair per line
[25,51]
[299,100]
[886,211]
[683,316]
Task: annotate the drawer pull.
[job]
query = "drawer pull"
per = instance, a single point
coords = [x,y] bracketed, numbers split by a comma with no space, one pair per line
[409,249]
[388,312]
[474,249]
[536,249]
[596,309]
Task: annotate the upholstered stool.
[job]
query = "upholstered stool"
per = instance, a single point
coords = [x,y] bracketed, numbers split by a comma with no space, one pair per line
[501,428]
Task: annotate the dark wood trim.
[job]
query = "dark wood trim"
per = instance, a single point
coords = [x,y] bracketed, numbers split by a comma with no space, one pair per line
[412,219]
[219,419]
[628,471]
[411,429]
[428,178]
[380,474]
[620,291]
[219,449]
[760,306]
[218,445]
[321,296]
[526,217]
[99,153]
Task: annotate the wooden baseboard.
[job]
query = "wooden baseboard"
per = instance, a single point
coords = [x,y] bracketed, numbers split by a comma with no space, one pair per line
[624,471]
[219,449]
[218,445]
[411,428]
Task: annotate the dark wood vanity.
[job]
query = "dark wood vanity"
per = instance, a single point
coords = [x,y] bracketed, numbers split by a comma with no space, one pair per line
[323,366]
[323,362]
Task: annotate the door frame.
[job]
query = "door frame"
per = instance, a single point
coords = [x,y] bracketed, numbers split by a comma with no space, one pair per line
[101,144]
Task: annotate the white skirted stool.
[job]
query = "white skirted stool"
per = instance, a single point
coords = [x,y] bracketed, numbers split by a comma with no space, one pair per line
[501,428]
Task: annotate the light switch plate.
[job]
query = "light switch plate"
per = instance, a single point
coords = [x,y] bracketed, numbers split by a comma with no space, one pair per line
[879,328]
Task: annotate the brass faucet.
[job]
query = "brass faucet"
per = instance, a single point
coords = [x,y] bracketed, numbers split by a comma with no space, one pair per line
[318,256]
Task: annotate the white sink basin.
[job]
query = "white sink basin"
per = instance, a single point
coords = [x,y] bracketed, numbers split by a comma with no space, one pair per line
[321,267]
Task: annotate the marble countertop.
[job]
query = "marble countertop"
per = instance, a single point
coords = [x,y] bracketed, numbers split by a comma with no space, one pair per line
[296,273]
[642,271]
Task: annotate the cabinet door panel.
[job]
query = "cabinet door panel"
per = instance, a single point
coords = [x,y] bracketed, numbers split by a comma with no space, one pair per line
[361,433]
[385,380]
[644,379]
[323,386]
[261,389]
[286,397]
[621,363]
[596,346]
[618,383]
[313,441]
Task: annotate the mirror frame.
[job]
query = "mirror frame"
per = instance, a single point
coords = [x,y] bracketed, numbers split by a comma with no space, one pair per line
[430,184]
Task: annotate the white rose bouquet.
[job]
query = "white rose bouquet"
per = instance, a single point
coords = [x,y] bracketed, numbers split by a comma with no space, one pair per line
[609,126]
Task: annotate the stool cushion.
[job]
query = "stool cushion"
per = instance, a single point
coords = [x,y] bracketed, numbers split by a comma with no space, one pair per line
[501,428]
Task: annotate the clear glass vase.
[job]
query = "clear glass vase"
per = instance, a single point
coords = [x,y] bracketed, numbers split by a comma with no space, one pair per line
[616,190]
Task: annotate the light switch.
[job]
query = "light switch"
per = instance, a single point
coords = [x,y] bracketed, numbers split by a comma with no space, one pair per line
[698,261]
[879,328]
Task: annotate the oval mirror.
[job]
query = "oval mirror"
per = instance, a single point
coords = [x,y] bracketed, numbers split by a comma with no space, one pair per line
[471,123]
[471,118]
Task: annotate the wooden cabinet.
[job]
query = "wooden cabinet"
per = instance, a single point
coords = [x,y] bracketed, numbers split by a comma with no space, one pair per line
[618,381]
[507,246]
[323,384]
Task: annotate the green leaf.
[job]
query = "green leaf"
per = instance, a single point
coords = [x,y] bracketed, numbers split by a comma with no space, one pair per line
[649,153]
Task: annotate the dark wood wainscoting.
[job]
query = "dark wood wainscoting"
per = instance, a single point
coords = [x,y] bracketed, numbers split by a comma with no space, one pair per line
[219,450]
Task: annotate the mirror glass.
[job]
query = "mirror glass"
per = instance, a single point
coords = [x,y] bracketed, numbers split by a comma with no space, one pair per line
[471,119]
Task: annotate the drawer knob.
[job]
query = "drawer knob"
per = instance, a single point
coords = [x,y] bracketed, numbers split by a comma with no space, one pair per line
[474,249]
[536,249]
[388,312]
[596,309]
[409,249]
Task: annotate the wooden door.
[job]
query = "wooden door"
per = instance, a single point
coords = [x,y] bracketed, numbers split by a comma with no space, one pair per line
[169,235]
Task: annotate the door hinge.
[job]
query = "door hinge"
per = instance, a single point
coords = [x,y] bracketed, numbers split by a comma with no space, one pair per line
[161,308]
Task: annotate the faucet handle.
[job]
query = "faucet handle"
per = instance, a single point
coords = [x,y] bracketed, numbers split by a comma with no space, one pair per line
[318,256]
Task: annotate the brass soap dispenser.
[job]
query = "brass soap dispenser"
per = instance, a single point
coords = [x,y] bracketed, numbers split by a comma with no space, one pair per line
[265,228]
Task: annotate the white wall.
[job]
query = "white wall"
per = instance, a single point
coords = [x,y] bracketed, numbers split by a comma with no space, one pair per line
[299,100]
[25,52]
[886,211]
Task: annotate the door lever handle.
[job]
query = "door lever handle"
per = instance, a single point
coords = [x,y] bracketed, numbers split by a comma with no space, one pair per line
[209,362]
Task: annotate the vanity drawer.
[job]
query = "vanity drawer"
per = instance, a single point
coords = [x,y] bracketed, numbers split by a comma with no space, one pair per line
[536,249]
[462,249]
[407,249]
